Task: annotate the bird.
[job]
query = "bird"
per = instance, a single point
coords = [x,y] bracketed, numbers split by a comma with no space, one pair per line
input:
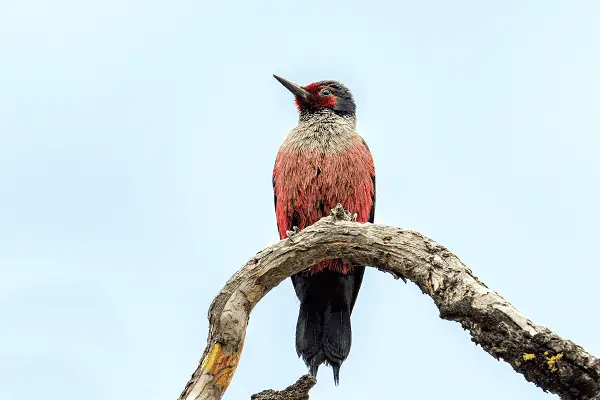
[323,161]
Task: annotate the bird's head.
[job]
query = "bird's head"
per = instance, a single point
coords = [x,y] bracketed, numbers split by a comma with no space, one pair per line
[322,95]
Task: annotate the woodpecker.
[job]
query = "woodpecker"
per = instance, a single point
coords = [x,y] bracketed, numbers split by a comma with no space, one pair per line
[322,162]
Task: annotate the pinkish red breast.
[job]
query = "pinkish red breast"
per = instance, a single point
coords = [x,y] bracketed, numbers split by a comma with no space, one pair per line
[309,182]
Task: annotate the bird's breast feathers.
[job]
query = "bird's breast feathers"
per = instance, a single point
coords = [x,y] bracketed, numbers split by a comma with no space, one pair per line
[315,170]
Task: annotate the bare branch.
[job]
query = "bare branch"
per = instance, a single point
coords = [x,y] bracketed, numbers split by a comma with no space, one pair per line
[297,391]
[554,364]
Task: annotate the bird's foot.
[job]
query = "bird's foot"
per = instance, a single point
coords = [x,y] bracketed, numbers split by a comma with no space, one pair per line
[292,233]
[339,214]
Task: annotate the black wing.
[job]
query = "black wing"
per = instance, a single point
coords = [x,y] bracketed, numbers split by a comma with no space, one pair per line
[359,272]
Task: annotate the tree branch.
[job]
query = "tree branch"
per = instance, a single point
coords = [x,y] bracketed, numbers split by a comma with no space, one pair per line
[554,364]
[297,391]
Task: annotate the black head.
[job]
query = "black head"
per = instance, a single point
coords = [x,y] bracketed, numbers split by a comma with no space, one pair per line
[320,96]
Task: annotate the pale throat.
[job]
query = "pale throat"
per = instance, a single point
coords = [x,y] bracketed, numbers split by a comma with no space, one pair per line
[327,132]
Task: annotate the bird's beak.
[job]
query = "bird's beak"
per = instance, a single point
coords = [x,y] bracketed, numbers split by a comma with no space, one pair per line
[297,90]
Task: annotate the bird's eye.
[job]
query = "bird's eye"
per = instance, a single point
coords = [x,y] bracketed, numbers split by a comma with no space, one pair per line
[325,92]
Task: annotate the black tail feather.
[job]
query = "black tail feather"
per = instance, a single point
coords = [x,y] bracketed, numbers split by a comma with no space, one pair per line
[337,333]
[323,331]
[336,373]
[309,330]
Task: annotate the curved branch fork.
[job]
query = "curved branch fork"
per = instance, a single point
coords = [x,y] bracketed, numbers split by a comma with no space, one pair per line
[554,364]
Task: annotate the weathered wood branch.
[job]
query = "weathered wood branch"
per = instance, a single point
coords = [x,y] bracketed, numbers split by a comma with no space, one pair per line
[297,391]
[554,364]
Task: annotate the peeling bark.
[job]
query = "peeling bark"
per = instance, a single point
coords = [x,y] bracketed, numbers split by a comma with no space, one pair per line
[552,363]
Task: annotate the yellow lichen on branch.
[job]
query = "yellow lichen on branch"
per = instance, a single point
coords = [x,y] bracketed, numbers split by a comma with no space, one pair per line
[552,361]
[221,365]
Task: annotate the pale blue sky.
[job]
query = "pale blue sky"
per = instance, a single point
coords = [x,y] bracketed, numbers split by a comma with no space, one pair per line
[137,141]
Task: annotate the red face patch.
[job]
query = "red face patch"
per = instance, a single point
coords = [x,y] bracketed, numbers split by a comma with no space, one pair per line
[316,100]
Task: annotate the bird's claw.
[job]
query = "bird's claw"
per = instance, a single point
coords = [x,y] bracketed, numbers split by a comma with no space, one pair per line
[292,233]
